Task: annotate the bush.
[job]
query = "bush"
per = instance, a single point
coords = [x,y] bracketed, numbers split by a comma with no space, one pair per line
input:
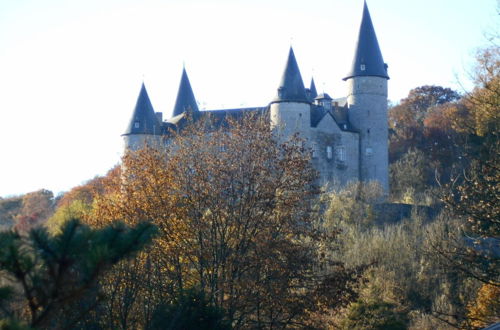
[374,315]
[191,310]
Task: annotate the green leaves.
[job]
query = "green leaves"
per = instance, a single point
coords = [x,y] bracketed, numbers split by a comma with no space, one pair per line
[55,271]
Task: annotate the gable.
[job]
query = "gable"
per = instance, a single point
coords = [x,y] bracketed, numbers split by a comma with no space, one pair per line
[328,124]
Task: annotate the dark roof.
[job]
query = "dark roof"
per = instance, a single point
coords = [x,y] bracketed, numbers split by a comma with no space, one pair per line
[185,96]
[368,59]
[484,245]
[312,90]
[144,120]
[323,96]
[217,117]
[291,88]
[494,326]
[318,113]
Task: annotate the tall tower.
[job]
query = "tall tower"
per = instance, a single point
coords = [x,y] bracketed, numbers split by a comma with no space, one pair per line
[144,127]
[291,110]
[367,101]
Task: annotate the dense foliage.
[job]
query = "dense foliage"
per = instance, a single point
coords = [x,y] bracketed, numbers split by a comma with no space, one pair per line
[57,276]
[235,212]
[246,240]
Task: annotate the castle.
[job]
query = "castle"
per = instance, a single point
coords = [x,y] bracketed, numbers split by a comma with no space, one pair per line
[348,136]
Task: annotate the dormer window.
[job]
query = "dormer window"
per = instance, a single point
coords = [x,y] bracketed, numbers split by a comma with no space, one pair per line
[327,104]
[362,67]
[281,92]
[324,100]
[136,124]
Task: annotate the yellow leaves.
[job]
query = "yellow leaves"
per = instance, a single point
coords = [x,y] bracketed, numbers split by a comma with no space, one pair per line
[233,210]
[485,310]
[484,100]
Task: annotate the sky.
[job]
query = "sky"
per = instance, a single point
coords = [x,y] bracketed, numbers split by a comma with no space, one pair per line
[71,70]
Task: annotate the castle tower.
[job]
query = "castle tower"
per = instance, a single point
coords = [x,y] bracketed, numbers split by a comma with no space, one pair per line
[185,97]
[144,127]
[367,102]
[290,111]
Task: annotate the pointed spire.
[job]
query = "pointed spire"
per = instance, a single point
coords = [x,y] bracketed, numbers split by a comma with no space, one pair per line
[291,87]
[144,120]
[313,90]
[185,96]
[368,59]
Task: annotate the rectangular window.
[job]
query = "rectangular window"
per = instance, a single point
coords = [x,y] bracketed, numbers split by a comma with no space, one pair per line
[341,154]
[136,124]
[329,152]
[369,151]
[314,151]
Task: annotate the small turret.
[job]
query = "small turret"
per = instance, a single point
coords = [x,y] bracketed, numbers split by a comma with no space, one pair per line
[312,92]
[185,97]
[144,126]
[367,104]
[291,108]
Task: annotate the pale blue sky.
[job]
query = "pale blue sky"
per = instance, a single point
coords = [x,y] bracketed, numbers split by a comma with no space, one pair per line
[70,71]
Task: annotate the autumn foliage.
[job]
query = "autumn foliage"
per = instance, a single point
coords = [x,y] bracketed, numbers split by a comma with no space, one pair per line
[235,210]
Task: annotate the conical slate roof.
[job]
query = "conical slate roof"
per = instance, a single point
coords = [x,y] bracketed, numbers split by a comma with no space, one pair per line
[185,96]
[144,120]
[291,88]
[313,90]
[368,59]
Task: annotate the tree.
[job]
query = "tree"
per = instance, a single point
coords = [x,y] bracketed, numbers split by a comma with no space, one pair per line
[77,203]
[9,208]
[485,310]
[409,176]
[406,119]
[235,213]
[474,196]
[373,315]
[476,200]
[352,205]
[190,310]
[57,276]
[484,100]
[28,210]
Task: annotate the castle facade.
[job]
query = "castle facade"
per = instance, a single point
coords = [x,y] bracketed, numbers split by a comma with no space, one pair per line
[348,137]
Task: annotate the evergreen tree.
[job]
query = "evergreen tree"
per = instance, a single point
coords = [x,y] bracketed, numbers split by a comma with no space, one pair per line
[54,279]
